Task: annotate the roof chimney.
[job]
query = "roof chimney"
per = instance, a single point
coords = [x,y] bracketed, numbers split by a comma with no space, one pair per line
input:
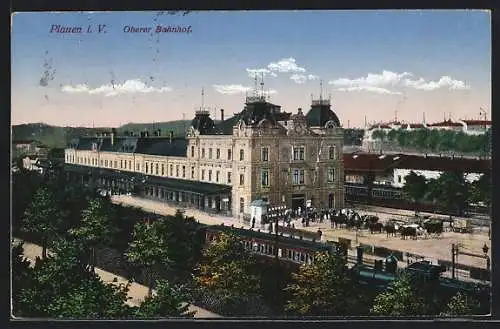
[221,114]
[113,134]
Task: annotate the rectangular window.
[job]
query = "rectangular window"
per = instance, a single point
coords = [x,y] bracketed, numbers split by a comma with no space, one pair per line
[242,205]
[331,153]
[217,176]
[229,154]
[130,164]
[242,155]
[171,170]
[203,174]
[210,153]
[330,175]
[203,153]
[265,154]
[210,175]
[147,167]
[192,151]
[229,177]
[121,164]
[264,177]
[116,164]
[192,172]
[298,177]
[242,179]
[156,169]
[183,171]
[399,178]
[163,169]
[299,153]
[137,167]
[106,163]
[176,170]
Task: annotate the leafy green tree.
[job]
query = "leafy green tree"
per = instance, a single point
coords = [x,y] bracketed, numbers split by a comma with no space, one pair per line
[168,301]
[148,248]
[379,134]
[22,276]
[63,286]
[401,299]
[391,135]
[415,187]
[450,191]
[184,239]
[480,190]
[322,288]
[227,272]
[43,217]
[96,227]
[461,304]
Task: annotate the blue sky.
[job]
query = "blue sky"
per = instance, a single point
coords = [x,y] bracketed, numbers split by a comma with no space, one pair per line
[371,62]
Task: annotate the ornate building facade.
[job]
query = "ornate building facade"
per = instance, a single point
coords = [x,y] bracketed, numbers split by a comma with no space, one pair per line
[261,152]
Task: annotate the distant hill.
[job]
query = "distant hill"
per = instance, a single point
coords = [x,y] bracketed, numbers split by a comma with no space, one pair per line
[55,136]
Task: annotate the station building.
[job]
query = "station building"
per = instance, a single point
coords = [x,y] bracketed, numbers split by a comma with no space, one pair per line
[260,153]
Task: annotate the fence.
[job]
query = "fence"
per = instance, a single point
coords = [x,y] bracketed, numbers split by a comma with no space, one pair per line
[461,270]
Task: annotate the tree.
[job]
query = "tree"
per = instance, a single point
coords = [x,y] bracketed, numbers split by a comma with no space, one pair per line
[43,218]
[22,276]
[415,187]
[96,227]
[63,286]
[227,272]
[184,244]
[401,299]
[379,134]
[148,248]
[450,191]
[168,301]
[480,190]
[461,304]
[322,288]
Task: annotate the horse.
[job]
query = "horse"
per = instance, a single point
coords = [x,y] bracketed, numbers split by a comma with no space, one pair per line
[434,227]
[376,227]
[409,230]
[390,229]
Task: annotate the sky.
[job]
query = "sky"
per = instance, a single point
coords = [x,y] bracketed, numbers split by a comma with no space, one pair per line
[107,69]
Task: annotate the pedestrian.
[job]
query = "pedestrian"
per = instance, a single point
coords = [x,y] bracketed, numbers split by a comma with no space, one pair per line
[319,234]
[253,222]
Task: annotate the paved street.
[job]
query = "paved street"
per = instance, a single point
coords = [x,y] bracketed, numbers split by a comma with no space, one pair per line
[137,292]
[433,248]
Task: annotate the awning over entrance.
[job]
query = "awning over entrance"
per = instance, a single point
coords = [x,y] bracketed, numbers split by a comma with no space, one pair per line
[168,183]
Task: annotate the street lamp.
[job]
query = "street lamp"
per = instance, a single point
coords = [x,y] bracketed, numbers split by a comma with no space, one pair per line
[485,249]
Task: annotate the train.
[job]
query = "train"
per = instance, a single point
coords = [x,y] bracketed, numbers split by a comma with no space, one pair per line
[391,197]
[293,252]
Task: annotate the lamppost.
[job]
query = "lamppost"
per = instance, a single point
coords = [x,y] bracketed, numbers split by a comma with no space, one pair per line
[485,251]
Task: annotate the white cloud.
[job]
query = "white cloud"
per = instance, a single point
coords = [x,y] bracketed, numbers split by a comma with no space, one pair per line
[378,90]
[302,78]
[377,83]
[252,73]
[387,78]
[285,65]
[443,82]
[128,87]
[238,89]
[231,89]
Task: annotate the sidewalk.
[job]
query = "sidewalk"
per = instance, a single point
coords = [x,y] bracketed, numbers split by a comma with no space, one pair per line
[137,292]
